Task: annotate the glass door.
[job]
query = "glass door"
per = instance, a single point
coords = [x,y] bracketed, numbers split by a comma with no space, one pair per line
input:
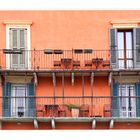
[127,100]
[125,49]
[18,101]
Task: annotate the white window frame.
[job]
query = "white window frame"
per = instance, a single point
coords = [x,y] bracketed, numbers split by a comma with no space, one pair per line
[28,42]
[12,99]
[127,111]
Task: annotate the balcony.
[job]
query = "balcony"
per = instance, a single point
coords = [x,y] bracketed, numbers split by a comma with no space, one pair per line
[70,60]
[87,106]
[105,109]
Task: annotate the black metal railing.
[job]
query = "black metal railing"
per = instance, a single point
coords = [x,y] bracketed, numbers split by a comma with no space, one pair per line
[69,59]
[99,106]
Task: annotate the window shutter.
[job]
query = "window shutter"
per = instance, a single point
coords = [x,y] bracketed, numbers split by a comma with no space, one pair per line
[115,101]
[138,100]
[113,48]
[136,42]
[23,46]
[14,38]
[31,100]
[6,100]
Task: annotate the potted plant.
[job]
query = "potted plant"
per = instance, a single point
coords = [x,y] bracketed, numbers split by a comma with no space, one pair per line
[74,110]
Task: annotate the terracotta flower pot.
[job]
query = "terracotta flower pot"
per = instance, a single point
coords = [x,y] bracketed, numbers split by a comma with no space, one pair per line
[75,112]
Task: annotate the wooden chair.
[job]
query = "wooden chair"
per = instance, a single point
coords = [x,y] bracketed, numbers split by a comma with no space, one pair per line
[88,63]
[57,64]
[107,110]
[76,64]
[84,110]
[40,110]
[62,111]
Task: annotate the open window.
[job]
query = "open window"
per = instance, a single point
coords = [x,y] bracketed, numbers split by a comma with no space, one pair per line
[124,47]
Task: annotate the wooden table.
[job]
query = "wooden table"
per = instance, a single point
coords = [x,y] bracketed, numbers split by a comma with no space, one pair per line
[66,63]
[51,110]
[97,62]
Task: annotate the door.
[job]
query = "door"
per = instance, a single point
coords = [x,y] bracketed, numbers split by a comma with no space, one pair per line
[19,100]
[127,100]
[125,49]
[18,41]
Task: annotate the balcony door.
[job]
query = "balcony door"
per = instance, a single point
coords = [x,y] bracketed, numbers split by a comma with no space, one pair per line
[127,100]
[19,100]
[18,41]
[125,49]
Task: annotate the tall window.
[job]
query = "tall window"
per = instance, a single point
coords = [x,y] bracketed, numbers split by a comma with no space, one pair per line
[125,49]
[127,100]
[18,41]
[19,100]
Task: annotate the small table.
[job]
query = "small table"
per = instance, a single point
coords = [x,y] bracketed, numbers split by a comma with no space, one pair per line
[66,63]
[51,110]
[97,61]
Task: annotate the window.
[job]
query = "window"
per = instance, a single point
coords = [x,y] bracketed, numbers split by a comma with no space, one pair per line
[124,48]
[127,101]
[18,38]
[19,104]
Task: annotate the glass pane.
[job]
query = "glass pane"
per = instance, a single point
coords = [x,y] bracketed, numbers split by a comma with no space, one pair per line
[121,64]
[120,45]
[129,63]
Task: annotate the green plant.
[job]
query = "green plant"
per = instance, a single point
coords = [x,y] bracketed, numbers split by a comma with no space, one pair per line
[70,106]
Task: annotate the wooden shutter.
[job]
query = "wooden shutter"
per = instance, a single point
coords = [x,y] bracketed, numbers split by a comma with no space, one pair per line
[31,100]
[13,35]
[113,48]
[138,99]
[6,102]
[115,100]
[23,46]
[136,44]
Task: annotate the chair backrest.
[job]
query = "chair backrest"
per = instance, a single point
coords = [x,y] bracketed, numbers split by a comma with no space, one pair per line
[84,107]
[107,107]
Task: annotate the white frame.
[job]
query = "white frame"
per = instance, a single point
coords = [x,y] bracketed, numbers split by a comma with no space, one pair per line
[28,42]
[126,94]
[12,99]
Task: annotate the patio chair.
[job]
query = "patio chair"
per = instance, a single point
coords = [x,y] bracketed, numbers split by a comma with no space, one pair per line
[84,110]
[40,111]
[62,111]
[107,110]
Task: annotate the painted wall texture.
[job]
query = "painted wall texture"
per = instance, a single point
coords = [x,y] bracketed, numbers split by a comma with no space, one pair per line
[67,30]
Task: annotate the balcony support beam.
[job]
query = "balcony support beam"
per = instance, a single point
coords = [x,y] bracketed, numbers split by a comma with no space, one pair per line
[54,85]
[93,124]
[92,78]
[63,86]
[82,85]
[53,123]
[110,78]
[72,78]
[35,124]
[111,124]
[35,79]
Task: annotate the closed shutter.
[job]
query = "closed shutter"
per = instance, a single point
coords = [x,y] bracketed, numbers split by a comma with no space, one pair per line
[138,99]
[136,42]
[23,46]
[115,101]
[6,108]
[113,48]
[31,100]
[13,42]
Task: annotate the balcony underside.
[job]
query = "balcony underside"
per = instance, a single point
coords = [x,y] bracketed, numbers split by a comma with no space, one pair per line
[46,73]
[64,120]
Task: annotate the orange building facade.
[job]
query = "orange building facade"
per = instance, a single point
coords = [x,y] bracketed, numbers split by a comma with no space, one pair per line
[70,69]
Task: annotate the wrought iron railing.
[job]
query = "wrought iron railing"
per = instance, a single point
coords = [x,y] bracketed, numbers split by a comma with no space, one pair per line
[100,106]
[69,59]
